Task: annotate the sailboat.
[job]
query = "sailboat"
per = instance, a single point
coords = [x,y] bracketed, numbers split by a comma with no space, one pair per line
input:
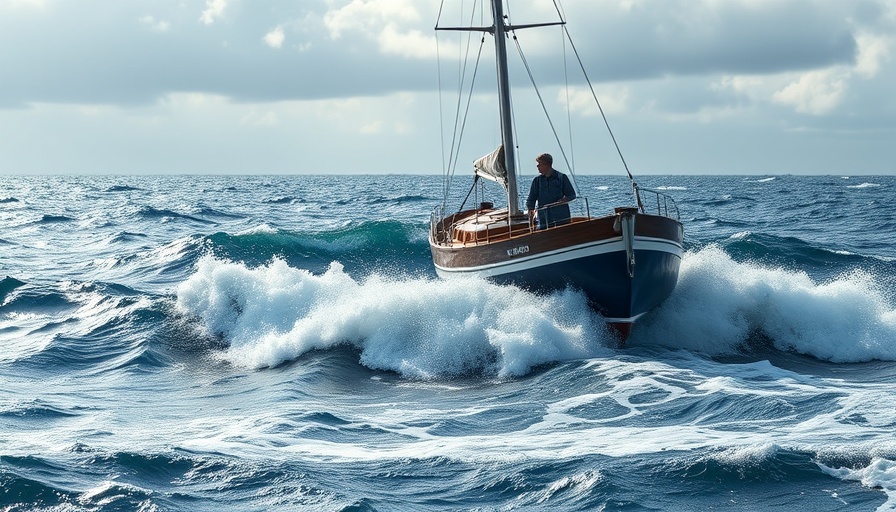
[625,260]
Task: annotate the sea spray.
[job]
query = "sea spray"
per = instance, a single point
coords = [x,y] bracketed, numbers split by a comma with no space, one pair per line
[421,328]
[719,303]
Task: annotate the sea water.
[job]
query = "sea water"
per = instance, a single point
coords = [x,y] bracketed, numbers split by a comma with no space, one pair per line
[208,343]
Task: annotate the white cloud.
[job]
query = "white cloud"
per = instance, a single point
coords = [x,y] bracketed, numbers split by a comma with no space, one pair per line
[406,44]
[754,89]
[188,101]
[816,92]
[821,91]
[581,101]
[371,17]
[214,9]
[873,52]
[741,84]
[393,114]
[275,38]
[155,25]
[728,69]
[393,24]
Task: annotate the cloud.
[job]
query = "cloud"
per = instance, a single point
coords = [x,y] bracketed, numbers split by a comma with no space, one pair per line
[613,99]
[369,16]
[648,38]
[873,52]
[275,38]
[155,25]
[406,44]
[381,46]
[740,65]
[392,24]
[214,9]
[816,92]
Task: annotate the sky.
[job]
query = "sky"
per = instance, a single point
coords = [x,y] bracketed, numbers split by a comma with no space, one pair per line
[367,86]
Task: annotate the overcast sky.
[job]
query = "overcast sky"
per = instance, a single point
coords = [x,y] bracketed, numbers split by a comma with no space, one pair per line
[352,86]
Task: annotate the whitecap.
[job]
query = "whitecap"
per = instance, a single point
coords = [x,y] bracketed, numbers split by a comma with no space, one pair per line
[879,474]
[261,229]
[719,303]
[420,328]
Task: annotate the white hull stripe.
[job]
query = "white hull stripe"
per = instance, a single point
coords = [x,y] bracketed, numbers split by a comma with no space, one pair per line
[564,255]
[629,320]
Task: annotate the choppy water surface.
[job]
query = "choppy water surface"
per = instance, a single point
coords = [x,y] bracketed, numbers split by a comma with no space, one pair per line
[282,343]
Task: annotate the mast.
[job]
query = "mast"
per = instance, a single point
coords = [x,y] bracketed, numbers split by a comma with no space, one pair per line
[500,31]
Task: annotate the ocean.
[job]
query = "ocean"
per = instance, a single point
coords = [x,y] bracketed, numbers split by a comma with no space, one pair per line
[274,343]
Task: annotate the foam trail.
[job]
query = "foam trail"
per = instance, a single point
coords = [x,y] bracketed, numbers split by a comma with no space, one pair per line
[719,303]
[420,328]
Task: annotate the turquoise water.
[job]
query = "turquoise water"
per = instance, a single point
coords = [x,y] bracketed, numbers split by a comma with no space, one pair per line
[282,343]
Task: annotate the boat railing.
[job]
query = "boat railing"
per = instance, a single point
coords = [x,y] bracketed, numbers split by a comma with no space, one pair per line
[656,202]
[578,207]
[443,225]
[437,230]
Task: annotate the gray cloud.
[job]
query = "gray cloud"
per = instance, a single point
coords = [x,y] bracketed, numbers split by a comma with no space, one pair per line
[106,52]
[656,39]
[696,85]
[97,51]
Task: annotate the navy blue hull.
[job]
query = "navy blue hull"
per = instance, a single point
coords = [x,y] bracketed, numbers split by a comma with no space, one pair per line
[605,280]
[591,255]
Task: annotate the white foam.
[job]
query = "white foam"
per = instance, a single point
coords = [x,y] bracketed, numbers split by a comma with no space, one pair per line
[864,185]
[261,229]
[880,474]
[719,303]
[427,328]
[421,328]
[16,346]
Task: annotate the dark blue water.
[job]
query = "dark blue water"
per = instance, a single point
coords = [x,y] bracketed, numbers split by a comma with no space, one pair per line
[282,343]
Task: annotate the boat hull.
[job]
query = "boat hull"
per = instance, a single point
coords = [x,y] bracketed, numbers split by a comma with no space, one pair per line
[591,255]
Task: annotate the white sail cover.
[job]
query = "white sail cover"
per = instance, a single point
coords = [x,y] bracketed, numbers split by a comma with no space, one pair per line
[491,166]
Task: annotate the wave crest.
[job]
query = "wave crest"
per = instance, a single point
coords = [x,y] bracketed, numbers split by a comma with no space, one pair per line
[719,303]
[420,328]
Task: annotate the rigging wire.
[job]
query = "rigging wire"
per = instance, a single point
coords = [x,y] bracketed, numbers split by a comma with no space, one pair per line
[596,101]
[572,151]
[463,123]
[461,113]
[604,116]
[446,182]
[575,51]
[540,99]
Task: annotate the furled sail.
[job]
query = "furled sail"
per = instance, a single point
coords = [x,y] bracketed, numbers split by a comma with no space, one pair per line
[491,166]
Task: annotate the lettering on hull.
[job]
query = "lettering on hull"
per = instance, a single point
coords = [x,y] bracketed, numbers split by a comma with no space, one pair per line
[516,251]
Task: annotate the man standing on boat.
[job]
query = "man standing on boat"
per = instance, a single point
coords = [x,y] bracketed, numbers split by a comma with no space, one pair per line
[549,187]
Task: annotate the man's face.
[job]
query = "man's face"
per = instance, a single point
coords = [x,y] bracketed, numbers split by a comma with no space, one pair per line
[544,168]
